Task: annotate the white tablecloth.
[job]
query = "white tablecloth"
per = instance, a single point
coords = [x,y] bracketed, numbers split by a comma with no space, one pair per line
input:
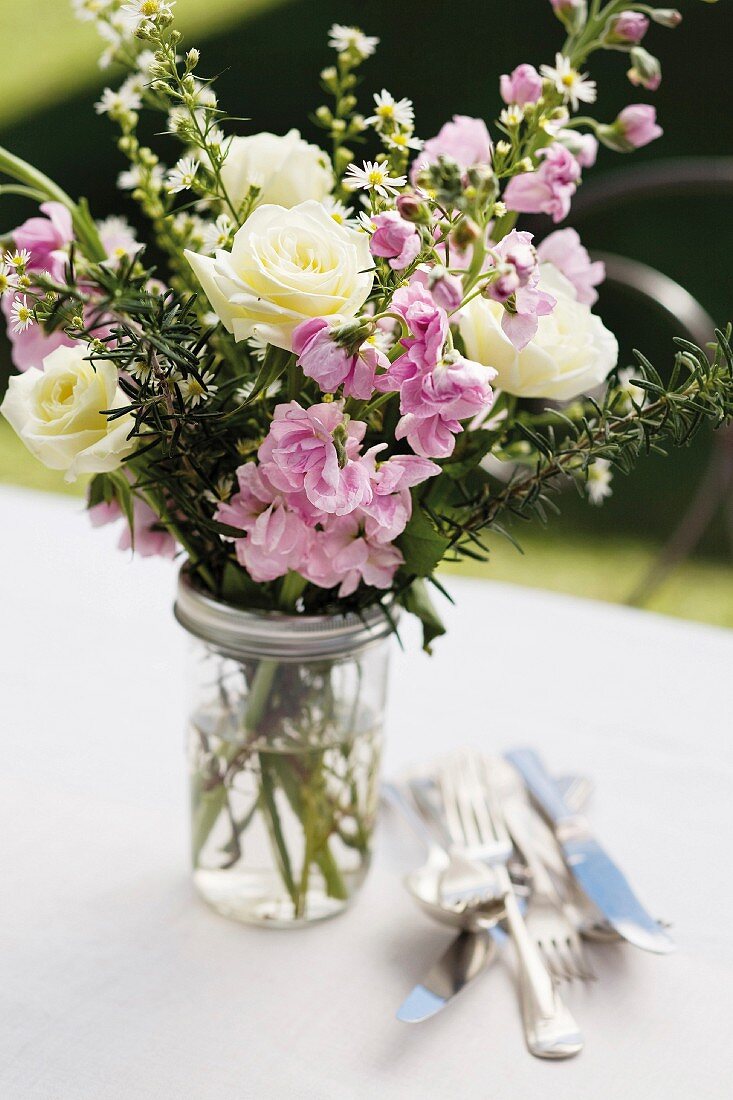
[118,984]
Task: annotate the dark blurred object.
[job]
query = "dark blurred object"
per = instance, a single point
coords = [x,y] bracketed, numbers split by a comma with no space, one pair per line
[695,178]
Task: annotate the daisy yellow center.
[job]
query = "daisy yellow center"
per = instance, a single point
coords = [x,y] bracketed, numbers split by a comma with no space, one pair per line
[386,110]
[23,314]
[569,79]
[338,218]
[399,139]
[4,283]
[149,7]
[376,177]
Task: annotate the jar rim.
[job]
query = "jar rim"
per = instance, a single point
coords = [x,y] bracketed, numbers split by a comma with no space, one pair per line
[236,632]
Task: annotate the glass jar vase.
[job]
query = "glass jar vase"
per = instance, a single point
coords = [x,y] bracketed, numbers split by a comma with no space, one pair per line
[284,749]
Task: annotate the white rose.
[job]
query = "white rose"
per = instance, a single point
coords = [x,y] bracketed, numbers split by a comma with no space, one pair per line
[571,353]
[57,412]
[285,267]
[287,169]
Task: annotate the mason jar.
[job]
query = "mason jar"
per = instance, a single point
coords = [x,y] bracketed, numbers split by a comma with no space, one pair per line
[284,745]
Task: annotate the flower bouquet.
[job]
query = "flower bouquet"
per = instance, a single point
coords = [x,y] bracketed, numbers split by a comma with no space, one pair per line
[317,377]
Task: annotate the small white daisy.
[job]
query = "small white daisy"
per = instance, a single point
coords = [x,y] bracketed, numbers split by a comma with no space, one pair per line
[512,116]
[118,102]
[182,176]
[21,314]
[390,112]
[136,12]
[134,177]
[140,370]
[599,481]
[144,62]
[245,390]
[217,234]
[113,31]
[118,238]
[343,38]
[340,213]
[194,392]
[18,259]
[88,10]
[401,141]
[7,278]
[573,86]
[373,177]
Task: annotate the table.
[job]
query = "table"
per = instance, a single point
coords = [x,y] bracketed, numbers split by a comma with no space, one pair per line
[118,984]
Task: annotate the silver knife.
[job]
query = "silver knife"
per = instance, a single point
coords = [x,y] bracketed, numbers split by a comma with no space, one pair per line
[595,872]
[467,956]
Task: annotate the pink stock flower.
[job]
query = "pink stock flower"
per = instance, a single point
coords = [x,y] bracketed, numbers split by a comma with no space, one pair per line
[516,288]
[391,506]
[434,404]
[567,5]
[637,124]
[629,26]
[465,140]
[427,322]
[300,453]
[584,147]
[515,259]
[150,540]
[446,289]
[523,85]
[277,536]
[47,239]
[344,554]
[550,188]
[395,240]
[520,324]
[564,251]
[331,364]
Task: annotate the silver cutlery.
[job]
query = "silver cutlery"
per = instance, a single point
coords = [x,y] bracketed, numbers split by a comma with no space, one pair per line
[595,872]
[449,882]
[549,920]
[477,829]
[467,956]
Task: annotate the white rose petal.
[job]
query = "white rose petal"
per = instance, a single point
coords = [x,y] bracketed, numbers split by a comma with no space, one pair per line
[57,413]
[287,169]
[571,354]
[286,266]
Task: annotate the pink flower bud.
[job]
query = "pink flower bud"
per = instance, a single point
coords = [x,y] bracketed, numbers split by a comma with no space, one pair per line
[629,26]
[395,239]
[522,86]
[638,124]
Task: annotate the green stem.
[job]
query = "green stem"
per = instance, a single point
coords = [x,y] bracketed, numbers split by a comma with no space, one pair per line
[29,176]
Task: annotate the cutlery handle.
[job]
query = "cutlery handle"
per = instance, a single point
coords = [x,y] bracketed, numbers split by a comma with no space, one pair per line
[398,799]
[549,1028]
[542,786]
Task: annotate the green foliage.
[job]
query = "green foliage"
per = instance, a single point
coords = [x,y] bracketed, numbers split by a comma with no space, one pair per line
[422,545]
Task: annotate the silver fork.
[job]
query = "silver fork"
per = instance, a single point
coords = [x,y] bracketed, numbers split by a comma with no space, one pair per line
[477,830]
[548,919]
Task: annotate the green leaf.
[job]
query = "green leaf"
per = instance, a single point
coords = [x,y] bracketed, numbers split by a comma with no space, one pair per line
[416,601]
[275,362]
[238,588]
[469,450]
[421,544]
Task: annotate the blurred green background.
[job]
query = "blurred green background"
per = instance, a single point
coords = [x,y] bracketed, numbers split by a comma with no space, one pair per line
[446,56]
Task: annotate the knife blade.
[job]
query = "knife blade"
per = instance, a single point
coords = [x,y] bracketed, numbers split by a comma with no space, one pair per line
[467,956]
[592,868]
